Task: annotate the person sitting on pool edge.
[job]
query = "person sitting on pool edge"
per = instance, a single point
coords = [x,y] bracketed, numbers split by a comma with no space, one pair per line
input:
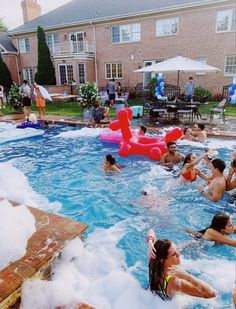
[142,130]
[189,171]
[110,164]
[166,279]
[217,185]
[231,184]
[221,226]
[99,113]
[172,157]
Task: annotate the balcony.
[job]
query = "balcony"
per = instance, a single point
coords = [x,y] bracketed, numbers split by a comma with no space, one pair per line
[73,48]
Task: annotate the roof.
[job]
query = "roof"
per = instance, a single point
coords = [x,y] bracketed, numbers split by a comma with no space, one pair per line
[85,11]
[6,43]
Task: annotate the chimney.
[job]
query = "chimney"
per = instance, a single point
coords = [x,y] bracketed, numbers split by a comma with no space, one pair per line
[31,9]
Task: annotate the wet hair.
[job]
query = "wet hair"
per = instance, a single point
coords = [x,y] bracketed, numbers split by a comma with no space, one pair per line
[233,163]
[144,129]
[170,144]
[218,222]
[187,158]
[201,126]
[156,266]
[219,164]
[111,159]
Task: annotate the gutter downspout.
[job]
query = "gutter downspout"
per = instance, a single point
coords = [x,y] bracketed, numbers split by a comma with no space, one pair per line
[95,51]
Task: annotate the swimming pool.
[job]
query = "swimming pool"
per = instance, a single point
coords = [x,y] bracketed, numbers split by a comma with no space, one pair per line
[68,170]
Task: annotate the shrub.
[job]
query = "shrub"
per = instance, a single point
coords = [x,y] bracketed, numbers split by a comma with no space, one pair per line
[89,94]
[202,94]
[14,98]
[152,87]
[217,97]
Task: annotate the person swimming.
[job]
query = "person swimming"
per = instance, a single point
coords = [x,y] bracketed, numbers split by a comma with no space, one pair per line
[189,171]
[110,164]
[221,226]
[166,279]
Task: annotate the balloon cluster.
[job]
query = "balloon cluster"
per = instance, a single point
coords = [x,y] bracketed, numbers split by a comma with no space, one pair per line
[160,85]
[232,92]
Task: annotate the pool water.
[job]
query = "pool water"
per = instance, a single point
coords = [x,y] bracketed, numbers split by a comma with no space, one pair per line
[68,170]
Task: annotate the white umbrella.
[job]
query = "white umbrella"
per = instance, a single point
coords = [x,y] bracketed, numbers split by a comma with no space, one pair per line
[178,64]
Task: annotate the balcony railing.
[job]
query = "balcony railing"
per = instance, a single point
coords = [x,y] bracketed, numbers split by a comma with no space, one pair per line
[73,48]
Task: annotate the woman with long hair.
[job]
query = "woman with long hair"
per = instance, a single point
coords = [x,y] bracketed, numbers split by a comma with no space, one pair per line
[221,226]
[190,171]
[110,164]
[166,279]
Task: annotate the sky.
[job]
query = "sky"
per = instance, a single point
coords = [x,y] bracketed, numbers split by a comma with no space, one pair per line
[11,11]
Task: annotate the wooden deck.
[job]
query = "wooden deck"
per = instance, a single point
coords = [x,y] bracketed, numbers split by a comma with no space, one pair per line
[45,244]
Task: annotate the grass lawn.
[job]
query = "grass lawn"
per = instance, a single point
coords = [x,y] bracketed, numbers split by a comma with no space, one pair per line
[74,109]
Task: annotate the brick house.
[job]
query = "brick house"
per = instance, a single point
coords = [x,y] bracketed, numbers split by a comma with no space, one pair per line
[9,55]
[98,40]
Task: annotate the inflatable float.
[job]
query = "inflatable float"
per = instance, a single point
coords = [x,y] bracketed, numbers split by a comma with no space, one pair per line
[29,124]
[15,134]
[129,143]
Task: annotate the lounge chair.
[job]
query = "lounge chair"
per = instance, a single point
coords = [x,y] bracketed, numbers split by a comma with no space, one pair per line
[220,109]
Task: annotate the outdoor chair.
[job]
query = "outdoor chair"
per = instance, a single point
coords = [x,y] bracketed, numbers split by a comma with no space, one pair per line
[182,109]
[158,109]
[147,107]
[220,110]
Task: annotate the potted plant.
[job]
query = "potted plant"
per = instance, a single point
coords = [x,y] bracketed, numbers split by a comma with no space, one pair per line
[14,98]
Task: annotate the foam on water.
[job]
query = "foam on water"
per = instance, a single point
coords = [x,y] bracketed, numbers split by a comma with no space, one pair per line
[84,132]
[15,186]
[17,226]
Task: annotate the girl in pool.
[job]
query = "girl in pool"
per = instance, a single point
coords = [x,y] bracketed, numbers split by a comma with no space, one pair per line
[221,226]
[166,279]
[189,172]
[187,135]
[110,164]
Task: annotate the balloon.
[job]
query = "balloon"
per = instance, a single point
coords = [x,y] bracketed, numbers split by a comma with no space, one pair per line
[162,84]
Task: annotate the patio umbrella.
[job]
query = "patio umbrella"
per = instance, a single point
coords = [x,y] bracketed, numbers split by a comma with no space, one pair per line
[178,64]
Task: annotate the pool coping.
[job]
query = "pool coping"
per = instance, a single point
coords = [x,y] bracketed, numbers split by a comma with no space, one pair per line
[40,252]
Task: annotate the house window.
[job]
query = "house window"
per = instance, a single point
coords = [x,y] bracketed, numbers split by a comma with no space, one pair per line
[226,21]
[53,40]
[167,26]
[202,60]
[113,70]
[230,65]
[126,33]
[28,75]
[66,73]
[81,69]
[77,42]
[24,46]
[148,76]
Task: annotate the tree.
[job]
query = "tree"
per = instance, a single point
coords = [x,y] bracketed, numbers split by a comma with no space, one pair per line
[5,75]
[45,73]
[3,27]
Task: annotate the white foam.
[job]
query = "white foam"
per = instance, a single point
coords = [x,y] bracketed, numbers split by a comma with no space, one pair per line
[84,132]
[185,142]
[17,226]
[15,186]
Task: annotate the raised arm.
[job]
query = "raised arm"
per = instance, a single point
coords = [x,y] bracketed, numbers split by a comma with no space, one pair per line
[197,160]
[151,239]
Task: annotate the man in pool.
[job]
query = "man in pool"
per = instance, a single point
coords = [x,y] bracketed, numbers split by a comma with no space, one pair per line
[217,185]
[200,134]
[142,130]
[172,157]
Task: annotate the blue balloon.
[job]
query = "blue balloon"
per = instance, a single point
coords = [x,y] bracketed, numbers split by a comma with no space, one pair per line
[156,93]
[159,88]
[162,84]
[233,86]
[160,79]
[231,92]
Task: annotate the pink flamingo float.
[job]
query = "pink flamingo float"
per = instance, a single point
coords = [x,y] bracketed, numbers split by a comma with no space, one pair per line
[130,143]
